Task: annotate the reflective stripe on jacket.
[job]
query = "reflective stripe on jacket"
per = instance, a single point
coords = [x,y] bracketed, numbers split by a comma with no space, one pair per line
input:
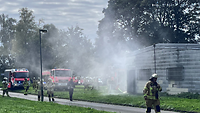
[25,83]
[151,90]
[4,85]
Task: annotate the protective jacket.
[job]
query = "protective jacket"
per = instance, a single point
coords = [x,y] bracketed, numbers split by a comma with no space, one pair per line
[4,85]
[50,86]
[38,88]
[34,83]
[151,90]
[25,83]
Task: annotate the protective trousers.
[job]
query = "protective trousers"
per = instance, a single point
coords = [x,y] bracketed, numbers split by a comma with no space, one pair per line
[34,86]
[39,94]
[26,90]
[155,103]
[50,95]
[5,91]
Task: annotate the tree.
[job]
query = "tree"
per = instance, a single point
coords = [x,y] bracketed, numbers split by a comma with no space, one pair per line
[78,50]
[25,45]
[131,24]
[50,46]
[66,49]
[152,21]
[6,35]
[178,17]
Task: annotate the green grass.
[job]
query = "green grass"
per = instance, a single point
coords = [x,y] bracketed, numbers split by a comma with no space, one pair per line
[16,105]
[184,102]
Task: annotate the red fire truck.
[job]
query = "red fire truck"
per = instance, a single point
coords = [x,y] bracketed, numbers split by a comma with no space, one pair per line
[60,77]
[16,77]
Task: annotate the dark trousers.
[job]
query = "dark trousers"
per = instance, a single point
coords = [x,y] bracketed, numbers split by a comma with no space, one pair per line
[50,95]
[71,94]
[5,91]
[26,90]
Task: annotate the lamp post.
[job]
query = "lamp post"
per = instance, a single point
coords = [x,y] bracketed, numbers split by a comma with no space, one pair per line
[154,46]
[41,82]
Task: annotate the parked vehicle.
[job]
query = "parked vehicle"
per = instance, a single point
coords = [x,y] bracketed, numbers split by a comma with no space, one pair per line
[60,77]
[16,77]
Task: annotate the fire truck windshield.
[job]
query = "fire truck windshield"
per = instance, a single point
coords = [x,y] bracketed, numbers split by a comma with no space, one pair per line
[21,75]
[63,73]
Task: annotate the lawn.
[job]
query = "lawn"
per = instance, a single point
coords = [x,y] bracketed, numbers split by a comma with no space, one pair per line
[16,105]
[186,102]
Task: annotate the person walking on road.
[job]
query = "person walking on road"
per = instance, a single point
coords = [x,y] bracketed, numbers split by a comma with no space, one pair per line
[71,86]
[5,87]
[150,92]
[50,89]
[26,86]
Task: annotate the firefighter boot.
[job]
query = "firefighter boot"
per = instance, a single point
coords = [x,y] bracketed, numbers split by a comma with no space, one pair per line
[148,110]
[6,92]
[49,98]
[25,93]
[157,110]
[3,93]
[52,97]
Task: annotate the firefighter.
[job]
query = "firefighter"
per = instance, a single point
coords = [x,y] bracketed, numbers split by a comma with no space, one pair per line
[97,83]
[34,83]
[38,88]
[37,85]
[26,86]
[71,86]
[50,89]
[5,86]
[110,82]
[150,92]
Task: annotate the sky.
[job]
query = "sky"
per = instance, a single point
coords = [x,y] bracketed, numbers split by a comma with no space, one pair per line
[62,13]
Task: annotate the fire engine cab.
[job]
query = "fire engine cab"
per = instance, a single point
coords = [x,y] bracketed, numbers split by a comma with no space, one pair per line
[16,77]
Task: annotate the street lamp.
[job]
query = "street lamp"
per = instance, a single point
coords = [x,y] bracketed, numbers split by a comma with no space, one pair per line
[44,31]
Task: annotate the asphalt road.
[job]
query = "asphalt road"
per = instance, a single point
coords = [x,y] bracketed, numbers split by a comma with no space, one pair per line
[98,106]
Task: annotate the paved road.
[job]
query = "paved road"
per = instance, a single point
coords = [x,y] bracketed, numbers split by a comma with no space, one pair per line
[98,106]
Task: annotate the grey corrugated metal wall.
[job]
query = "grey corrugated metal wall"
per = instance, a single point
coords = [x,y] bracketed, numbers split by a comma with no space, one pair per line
[168,56]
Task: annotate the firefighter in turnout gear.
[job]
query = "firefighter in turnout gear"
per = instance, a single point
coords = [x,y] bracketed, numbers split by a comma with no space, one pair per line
[37,85]
[38,88]
[150,92]
[26,86]
[5,86]
[34,83]
[71,86]
[50,89]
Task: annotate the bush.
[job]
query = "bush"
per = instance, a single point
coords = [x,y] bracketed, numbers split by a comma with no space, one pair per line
[187,95]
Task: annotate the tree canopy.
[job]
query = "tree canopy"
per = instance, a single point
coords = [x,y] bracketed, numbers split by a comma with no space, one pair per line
[20,45]
[6,35]
[151,21]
